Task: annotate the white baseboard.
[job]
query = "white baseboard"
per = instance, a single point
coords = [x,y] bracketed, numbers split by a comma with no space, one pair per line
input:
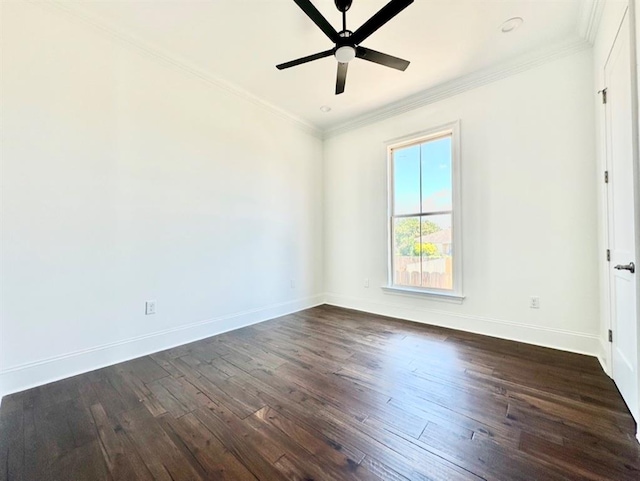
[25,376]
[578,342]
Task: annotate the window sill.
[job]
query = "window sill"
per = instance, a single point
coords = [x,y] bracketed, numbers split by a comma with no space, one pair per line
[435,295]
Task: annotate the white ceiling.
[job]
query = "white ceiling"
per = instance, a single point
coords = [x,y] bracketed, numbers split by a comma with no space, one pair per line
[241,41]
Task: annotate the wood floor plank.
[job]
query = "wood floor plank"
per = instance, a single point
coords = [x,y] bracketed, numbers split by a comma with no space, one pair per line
[12,444]
[327,394]
[255,453]
[577,462]
[209,452]
[85,462]
[349,431]
[157,450]
[310,440]
[121,464]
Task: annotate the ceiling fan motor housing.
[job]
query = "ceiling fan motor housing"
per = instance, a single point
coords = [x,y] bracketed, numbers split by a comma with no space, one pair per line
[343,5]
[344,39]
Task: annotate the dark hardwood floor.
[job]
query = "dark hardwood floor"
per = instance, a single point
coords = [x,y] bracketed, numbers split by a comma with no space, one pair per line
[327,394]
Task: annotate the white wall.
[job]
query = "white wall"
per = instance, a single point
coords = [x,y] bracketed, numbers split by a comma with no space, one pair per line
[529,210]
[125,179]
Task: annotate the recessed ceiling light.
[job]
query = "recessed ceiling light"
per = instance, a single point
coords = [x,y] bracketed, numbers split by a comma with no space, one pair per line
[511,24]
[325,108]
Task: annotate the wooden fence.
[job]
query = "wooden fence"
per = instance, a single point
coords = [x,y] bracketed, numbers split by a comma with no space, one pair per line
[415,271]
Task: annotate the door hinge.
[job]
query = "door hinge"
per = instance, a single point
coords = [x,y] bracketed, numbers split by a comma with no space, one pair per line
[608,255]
[610,335]
[606,176]
[604,95]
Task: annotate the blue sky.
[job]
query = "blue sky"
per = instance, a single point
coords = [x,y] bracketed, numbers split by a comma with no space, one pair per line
[435,159]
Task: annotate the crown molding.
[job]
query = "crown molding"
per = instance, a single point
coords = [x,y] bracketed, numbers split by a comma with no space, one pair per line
[589,19]
[460,85]
[156,53]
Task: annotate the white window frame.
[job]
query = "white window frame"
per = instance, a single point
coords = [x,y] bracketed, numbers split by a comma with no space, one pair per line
[453,129]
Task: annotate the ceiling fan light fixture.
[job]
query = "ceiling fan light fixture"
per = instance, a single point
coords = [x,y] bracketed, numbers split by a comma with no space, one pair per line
[345,54]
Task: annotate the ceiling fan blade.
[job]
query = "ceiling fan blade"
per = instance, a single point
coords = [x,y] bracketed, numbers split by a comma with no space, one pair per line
[313,13]
[386,13]
[302,60]
[382,58]
[342,77]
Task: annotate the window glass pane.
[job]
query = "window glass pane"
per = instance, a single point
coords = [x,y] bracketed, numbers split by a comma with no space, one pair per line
[406,178]
[436,175]
[406,252]
[435,246]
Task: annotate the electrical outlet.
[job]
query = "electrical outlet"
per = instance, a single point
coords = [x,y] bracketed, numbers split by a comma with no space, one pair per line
[293,284]
[150,308]
[534,302]
[366,282]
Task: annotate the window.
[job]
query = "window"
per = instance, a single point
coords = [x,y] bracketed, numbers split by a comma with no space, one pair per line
[424,213]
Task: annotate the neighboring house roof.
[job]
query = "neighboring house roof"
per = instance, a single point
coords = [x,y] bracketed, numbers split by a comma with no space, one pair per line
[439,237]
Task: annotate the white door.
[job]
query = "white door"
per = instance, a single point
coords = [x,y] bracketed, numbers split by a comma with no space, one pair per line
[619,131]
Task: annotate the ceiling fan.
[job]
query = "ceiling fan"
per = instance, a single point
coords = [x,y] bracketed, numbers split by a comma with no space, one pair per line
[347,43]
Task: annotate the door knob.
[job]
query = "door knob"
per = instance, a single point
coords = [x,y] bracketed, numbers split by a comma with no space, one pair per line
[631,267]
